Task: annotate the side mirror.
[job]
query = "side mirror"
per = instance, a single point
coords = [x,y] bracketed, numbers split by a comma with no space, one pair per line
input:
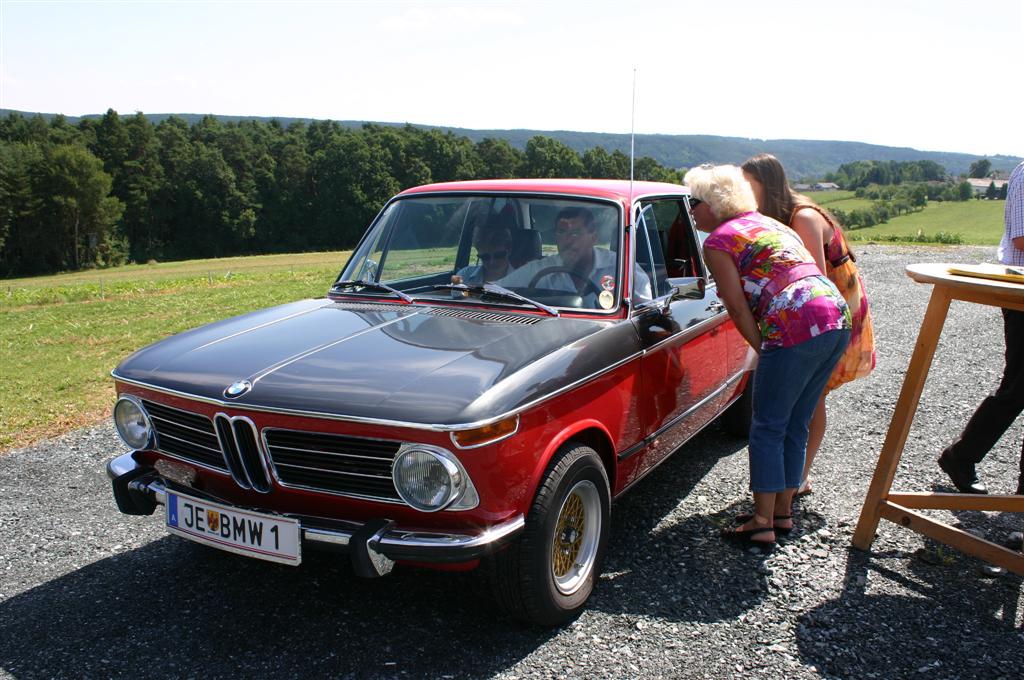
[688,288]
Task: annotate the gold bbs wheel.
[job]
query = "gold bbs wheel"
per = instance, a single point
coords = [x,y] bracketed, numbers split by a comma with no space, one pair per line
[575,541]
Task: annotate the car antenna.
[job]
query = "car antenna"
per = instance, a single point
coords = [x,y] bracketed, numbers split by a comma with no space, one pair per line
[632,128]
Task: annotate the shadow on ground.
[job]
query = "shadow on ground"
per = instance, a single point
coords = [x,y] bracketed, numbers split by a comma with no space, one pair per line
[173,608]
[952,624]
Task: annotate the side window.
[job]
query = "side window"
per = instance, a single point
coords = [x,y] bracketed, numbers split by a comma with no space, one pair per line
[675,245]
[650,255]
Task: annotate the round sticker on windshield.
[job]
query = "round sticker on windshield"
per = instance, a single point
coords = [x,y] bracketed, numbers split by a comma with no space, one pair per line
[606,299]
[608,282]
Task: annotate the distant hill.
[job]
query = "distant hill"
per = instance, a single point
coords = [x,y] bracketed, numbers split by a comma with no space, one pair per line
[802,158]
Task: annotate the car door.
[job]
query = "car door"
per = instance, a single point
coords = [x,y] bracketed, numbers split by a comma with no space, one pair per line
[685,361]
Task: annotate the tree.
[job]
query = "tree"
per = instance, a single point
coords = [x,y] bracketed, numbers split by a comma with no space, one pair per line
[67,224]
[548,157]
[980,168]
[964,191]
[1003,190]
[497,159]
[351,183]
[990,192]
[648,169]
[18,203]
[919,195]
[600,164]
[136,184]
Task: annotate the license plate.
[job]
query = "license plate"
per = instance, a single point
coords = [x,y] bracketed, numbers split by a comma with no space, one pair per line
[255,534]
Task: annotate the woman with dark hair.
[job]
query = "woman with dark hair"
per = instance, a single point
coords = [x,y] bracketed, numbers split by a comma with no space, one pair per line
[823,237]
[791,315]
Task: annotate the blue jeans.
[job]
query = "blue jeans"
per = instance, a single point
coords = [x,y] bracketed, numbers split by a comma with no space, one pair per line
[787,385]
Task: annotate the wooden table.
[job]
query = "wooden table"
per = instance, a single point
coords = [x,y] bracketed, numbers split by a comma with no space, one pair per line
[900,507]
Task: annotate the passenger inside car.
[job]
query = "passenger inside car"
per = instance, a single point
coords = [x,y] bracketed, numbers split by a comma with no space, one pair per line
[493,250]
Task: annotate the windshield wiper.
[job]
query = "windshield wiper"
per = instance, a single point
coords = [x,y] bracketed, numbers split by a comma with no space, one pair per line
[372,285]
[493,290]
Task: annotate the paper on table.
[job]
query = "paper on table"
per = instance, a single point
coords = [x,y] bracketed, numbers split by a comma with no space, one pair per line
[997,272]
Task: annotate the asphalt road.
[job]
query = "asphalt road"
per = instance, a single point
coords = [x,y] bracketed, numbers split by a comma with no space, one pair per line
[87,592]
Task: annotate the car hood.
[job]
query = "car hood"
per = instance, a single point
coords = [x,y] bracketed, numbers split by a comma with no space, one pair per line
[407,363]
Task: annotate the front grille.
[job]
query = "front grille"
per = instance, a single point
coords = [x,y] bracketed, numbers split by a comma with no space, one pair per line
[242,452]
[349,466]
[185,435]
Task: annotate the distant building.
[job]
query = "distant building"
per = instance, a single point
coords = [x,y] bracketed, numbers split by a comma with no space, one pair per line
[980,184]
[801,187]
[825,186]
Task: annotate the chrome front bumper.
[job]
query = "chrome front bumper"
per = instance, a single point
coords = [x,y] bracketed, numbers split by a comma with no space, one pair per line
[372,544]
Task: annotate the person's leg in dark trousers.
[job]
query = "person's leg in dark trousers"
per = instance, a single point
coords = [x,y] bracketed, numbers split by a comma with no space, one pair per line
[998,410]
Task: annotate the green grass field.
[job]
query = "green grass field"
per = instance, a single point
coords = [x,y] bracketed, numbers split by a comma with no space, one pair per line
[977,222]
[61,335]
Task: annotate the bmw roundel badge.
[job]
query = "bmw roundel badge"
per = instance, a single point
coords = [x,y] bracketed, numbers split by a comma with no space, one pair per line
[237,389]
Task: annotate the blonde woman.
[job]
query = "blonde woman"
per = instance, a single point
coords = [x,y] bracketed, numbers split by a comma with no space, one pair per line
[791,315]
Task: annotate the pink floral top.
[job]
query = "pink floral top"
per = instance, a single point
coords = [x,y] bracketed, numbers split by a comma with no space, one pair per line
[772,263]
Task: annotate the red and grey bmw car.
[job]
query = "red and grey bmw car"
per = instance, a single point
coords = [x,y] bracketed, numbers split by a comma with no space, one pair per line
[497,361]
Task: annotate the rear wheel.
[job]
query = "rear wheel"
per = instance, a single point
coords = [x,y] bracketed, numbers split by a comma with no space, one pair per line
[547,576]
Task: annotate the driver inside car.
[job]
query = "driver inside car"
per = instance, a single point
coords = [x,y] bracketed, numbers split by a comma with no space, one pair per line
[580,266]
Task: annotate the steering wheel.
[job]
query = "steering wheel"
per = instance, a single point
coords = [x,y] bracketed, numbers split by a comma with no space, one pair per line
[590,286]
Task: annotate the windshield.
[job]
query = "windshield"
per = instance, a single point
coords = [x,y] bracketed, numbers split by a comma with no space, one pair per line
[554,251]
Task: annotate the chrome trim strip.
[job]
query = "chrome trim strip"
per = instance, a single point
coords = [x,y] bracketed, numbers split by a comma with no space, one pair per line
[187,427]
[359,496]
[396,442]
[379,421]
[189,442]
[730,382]
[326,453]
[332,472]
[408,539]
[661,460]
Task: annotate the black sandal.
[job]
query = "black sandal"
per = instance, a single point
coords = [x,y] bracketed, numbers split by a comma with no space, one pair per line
[744,518]
[745,538]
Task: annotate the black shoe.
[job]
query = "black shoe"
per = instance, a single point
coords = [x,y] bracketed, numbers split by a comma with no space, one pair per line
[964,478]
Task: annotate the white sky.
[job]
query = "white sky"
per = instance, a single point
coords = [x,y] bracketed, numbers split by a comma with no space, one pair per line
[937,75]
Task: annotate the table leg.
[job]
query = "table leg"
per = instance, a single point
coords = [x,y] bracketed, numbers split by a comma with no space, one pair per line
[902,417]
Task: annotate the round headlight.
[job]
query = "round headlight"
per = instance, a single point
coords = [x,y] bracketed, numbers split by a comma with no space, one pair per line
[133,423]
[426,478]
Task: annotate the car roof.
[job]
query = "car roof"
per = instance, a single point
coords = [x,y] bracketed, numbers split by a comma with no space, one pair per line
[617,189]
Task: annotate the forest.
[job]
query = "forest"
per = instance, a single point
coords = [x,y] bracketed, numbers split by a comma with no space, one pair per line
[103,192]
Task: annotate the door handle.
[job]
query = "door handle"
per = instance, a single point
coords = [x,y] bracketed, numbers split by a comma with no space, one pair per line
[715,307]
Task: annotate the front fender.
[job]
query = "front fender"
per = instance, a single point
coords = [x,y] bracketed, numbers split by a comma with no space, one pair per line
[566,434]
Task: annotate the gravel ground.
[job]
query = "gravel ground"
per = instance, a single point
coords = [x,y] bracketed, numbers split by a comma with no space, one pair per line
[87,592]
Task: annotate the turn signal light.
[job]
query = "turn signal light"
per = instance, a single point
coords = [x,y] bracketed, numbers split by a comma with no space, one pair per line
[468,439]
